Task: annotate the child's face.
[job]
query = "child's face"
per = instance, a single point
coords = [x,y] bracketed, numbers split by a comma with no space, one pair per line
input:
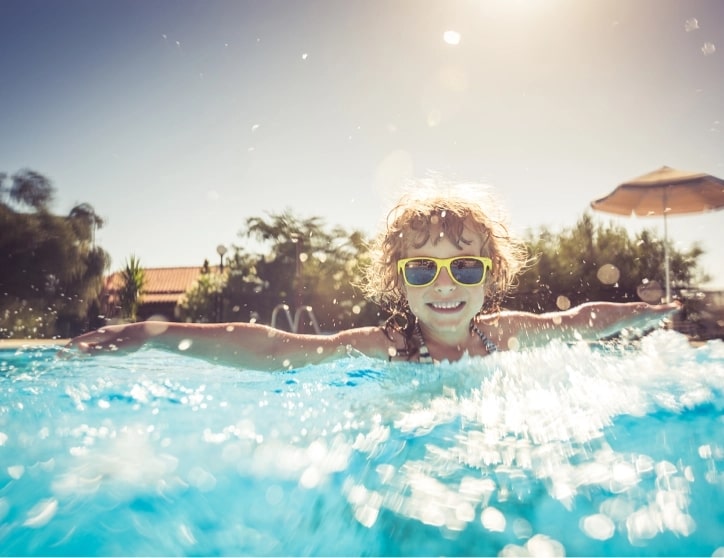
[446,307]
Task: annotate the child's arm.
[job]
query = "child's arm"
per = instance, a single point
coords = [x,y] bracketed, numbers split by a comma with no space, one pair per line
[244,345]
[589,321]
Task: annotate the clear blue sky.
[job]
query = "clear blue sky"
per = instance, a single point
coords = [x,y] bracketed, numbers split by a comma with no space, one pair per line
[178,119]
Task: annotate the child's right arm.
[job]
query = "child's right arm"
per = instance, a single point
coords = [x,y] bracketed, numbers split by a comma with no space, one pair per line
[251,346]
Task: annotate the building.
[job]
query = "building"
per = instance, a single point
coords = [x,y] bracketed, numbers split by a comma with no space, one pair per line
[163,290]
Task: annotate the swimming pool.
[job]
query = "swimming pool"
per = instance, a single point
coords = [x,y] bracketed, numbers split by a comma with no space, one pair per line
[564,450]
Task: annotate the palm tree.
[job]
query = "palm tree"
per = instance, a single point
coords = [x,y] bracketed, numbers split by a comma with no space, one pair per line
[85,222]
[133,280]
[29,189]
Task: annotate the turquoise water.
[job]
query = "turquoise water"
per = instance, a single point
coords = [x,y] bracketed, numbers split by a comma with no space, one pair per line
[561,450]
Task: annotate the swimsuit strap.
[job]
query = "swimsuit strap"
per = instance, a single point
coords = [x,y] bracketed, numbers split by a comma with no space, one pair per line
[487,343]
[425,357]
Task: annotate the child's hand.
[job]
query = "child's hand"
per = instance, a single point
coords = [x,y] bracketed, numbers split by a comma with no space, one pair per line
[668,309]
[651,315]
[110,339]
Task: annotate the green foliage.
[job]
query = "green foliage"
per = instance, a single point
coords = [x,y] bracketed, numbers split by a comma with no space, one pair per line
[201,302]
[596,262]
[51,273]
[29,190]
[133,279]
[305,263]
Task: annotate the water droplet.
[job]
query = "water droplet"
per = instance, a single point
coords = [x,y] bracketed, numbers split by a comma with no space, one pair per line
[451,37]
[185,344]
[16,471]
[708,49]
[542,545]
[691,24]
[598,526]
[493,519]
[41,513]
[433,118]
[563,302]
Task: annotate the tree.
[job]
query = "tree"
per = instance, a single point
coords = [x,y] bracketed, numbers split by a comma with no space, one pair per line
[133,279]
[51,271]
[305,264]
[201,301]
[29,189]
[597,262]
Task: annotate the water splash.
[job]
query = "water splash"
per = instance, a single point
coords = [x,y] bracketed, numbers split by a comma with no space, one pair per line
[563,450]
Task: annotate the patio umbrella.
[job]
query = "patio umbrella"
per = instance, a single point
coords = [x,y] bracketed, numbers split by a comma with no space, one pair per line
[662,192]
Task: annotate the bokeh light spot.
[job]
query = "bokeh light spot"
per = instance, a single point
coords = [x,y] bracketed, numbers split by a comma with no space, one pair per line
[650,291]
[608,274]
[563,302]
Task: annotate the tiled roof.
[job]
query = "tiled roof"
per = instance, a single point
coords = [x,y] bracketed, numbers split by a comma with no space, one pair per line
[163,284]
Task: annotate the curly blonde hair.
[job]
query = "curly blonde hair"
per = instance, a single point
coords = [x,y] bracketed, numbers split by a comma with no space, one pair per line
[431,211]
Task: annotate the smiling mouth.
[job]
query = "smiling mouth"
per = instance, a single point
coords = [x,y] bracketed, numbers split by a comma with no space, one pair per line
[446,306]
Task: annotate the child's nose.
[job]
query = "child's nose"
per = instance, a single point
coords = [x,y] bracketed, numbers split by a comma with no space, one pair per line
[444,282]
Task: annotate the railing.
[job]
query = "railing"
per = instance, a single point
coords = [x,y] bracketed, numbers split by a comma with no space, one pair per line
[294,323]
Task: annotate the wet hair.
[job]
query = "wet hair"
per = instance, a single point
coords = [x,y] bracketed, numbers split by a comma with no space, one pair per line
[431,211]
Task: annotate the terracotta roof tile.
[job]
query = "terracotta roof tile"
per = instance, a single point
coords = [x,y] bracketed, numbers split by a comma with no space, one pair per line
[163,284]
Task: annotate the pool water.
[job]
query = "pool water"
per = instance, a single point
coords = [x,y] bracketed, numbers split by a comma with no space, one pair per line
[564,450]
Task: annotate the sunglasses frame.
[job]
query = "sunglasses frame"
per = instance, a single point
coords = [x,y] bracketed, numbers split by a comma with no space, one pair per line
[444,263]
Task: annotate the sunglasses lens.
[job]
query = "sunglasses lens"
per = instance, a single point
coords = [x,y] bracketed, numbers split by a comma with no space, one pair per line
[467,271]
[420,271]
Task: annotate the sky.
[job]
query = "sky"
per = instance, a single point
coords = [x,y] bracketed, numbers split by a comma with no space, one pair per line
[179,119]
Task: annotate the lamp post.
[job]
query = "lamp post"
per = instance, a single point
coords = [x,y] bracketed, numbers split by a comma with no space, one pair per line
[220,250]
[297,240]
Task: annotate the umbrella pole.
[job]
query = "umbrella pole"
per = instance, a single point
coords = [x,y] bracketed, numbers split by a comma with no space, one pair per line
[666,260]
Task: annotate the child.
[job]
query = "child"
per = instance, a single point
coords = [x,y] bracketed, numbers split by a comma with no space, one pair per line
[441,267]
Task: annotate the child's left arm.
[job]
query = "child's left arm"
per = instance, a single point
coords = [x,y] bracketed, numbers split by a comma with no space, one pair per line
[589,321]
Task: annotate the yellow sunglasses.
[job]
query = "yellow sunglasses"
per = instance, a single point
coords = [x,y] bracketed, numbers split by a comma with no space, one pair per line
[468,271]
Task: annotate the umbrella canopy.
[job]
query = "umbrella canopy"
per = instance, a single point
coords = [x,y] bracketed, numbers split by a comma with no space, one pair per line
[662,192]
